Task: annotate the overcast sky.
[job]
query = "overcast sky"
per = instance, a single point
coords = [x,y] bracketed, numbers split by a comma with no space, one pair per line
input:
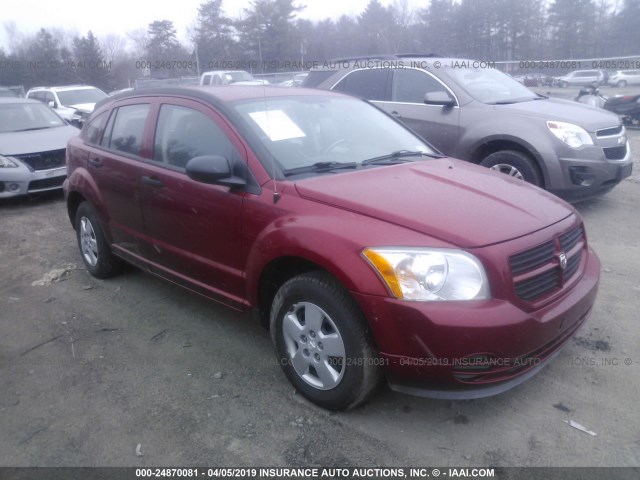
[121,16]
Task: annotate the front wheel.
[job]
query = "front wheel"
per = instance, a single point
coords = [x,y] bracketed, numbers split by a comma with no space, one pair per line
[515,164]
[96,254]
[322,342]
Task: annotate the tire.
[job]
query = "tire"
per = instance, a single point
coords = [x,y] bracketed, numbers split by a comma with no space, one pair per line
[94,248]
[621,84]
[564,84]
[515,164]
[323,343]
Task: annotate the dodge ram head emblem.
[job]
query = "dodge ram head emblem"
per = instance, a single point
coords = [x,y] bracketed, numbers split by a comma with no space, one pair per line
[562,258]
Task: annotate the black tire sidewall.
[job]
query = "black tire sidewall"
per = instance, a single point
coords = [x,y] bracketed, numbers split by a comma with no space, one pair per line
[106,264]
[348,320]
[527,167]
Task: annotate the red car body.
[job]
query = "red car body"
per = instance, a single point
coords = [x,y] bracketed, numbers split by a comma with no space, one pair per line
[239,245]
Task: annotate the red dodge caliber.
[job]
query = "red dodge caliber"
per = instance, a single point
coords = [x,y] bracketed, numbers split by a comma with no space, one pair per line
[367,254]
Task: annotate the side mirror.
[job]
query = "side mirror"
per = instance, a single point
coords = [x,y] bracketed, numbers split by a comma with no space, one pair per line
[52,104]
[439,98]
[213,169]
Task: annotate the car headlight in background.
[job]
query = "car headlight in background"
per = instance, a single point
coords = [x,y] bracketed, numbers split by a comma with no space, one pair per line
[572,135]
[7,162]
[429,274]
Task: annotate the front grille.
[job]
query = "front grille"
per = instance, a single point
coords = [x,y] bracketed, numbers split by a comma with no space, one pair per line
[538,272]
[615,153]
[571,238]
[44,160]
[46,183]
[609,132]
[531,259]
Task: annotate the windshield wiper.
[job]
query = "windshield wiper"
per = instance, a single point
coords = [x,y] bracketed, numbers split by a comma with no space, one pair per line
[319,167]
[396,157]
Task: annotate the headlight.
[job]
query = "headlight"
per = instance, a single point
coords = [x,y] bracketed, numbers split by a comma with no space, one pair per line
[7,162]
[429,274]
[572,135]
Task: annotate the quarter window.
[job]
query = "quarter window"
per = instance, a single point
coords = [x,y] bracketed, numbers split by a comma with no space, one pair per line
[411,85]
[183,133]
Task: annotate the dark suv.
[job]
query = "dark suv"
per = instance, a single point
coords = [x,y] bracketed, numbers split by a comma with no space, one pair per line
[366,253]
[479,114]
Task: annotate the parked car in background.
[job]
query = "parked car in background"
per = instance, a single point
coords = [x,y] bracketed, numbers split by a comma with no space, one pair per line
[33,140]
[622,78]
[481,115]
[581,78]
[72,102]
[230,77]
[367,254]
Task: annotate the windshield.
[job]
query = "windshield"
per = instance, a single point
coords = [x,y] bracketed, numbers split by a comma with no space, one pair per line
[16,117]
[241,76]
[302,131]
[80,96]
[491,86]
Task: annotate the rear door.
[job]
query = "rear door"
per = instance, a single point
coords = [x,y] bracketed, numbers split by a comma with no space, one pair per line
[114,163]
[193,229]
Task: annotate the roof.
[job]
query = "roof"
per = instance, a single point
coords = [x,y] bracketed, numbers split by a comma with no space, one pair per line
[225,93]
[14,100]
[62,88]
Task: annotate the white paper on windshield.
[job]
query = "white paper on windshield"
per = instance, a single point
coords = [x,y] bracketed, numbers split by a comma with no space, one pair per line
[277,125]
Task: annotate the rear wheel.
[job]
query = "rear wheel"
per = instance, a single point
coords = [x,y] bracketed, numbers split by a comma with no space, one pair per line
[621,84]
[515,164]
[94,248]
[322,342]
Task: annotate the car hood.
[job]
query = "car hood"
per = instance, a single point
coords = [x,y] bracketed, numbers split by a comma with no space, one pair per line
[85,107]
[560,110]
[33,141]
[454,201]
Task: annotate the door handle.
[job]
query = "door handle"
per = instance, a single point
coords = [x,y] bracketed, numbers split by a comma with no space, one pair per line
[396,114]
[95,162]
[153,181]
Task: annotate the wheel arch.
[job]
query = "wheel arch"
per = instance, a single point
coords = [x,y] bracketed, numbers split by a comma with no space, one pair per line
[486,147]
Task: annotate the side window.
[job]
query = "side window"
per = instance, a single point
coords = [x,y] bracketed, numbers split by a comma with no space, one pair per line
[124,132]
[370,84]
[93,129]
[183,133]
[411,85]
[206,79]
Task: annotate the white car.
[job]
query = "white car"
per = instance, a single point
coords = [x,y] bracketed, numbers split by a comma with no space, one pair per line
[622,78]
[73,102]
[33,142]
[230,77]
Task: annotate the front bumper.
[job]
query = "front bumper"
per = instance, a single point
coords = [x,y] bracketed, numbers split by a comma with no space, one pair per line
[588,172]
[461,350]
[22,181]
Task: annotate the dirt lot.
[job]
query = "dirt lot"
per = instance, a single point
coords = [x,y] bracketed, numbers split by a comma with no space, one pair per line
[91,371]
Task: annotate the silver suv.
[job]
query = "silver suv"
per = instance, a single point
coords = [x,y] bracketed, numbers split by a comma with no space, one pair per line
[72,102]
[580,78]
[479,114]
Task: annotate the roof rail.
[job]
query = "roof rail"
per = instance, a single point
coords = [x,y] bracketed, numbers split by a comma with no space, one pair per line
[366,57]
[424,55]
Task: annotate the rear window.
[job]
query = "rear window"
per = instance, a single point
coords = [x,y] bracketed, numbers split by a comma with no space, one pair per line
[316,77]
[370,84]
[125,131]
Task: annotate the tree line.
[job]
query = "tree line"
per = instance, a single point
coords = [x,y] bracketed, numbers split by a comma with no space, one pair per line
[269,37]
